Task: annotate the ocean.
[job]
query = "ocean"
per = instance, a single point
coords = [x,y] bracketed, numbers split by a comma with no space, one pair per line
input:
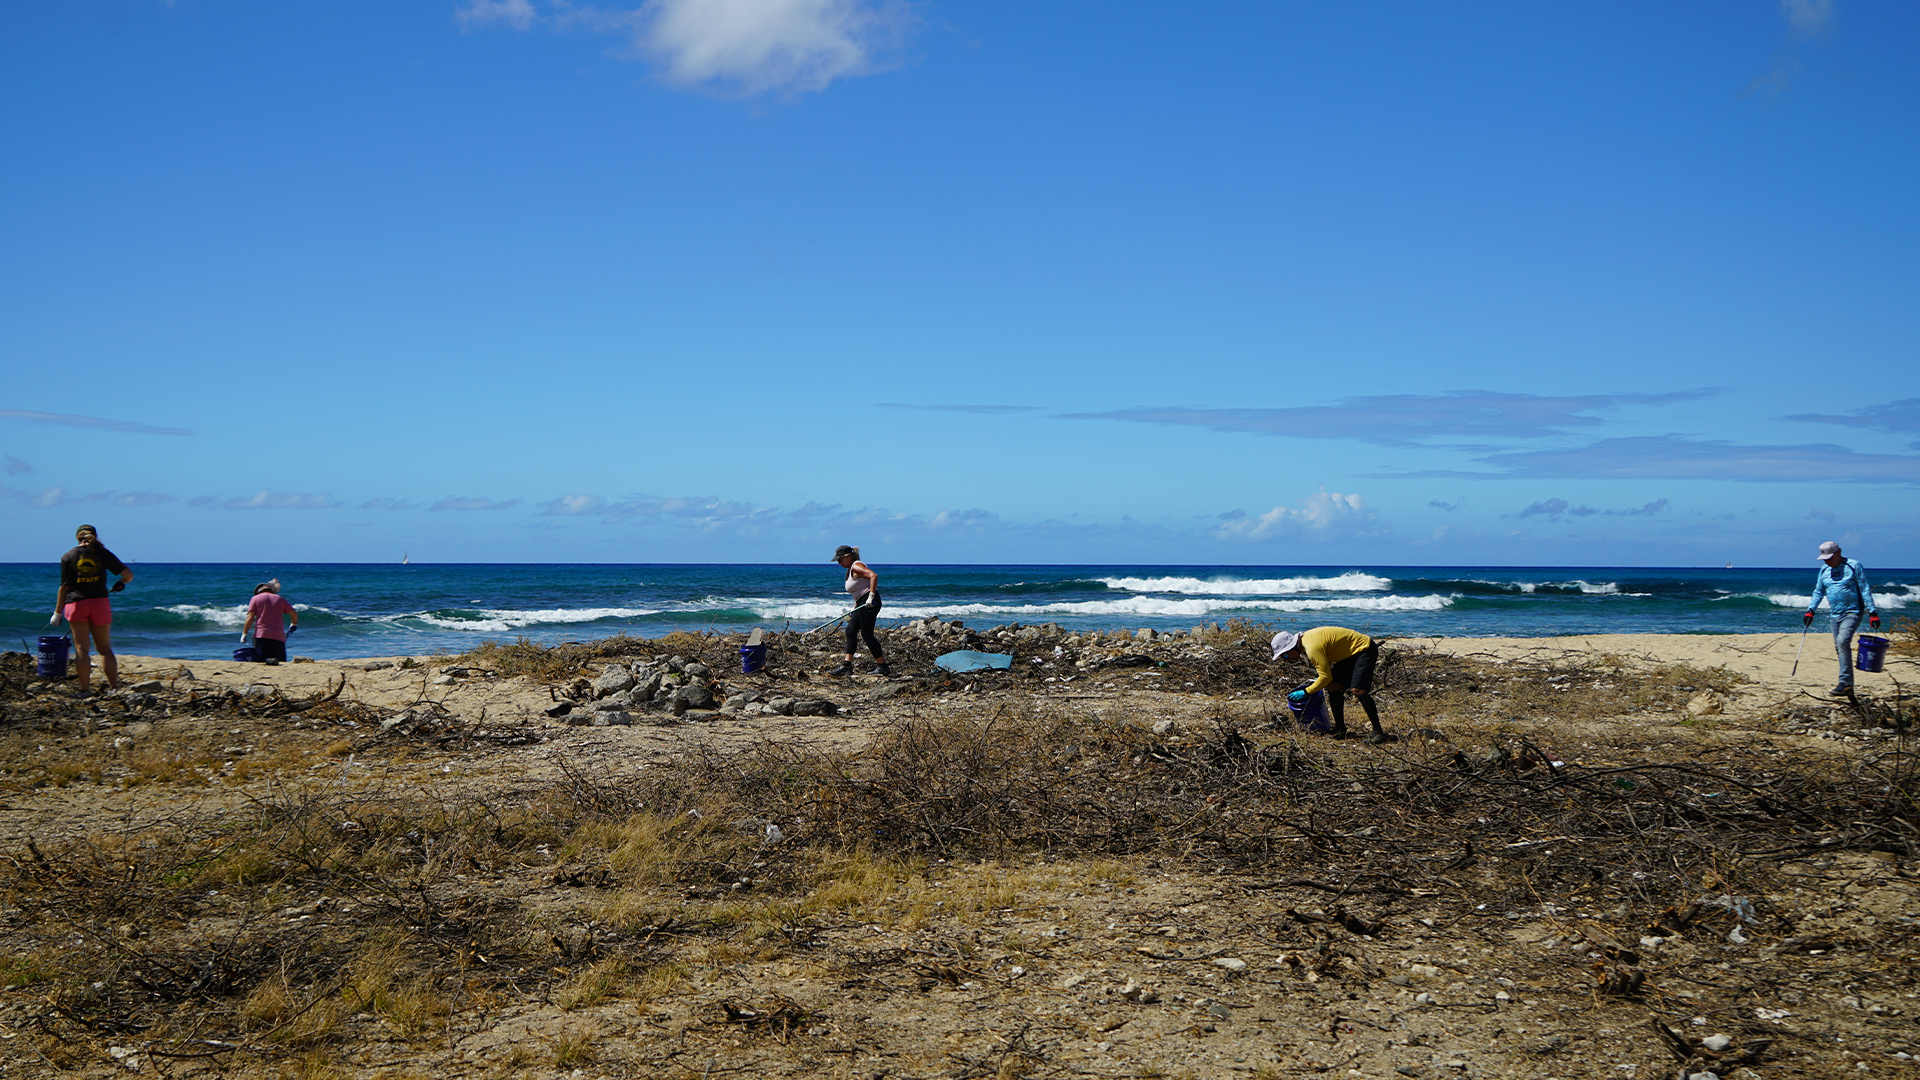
[195,610]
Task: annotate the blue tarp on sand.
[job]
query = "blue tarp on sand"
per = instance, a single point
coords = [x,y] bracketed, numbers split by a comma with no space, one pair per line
[968,660]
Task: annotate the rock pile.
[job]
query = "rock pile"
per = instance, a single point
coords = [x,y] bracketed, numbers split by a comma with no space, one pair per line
[675,688]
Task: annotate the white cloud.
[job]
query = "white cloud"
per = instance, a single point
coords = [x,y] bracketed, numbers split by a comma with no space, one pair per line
[95,422]
[573,505]
[282,500]
[51,497]
[755,46]
[16,466]
[518,14]
[1327,514]
[734,47]
[1809,18]
[466,502]
[140,498]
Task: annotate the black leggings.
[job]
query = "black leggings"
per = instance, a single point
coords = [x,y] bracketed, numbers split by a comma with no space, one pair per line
[860,625]
[1356,673]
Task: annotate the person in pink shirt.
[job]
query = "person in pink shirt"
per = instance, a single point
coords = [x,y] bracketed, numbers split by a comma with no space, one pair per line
[264,613]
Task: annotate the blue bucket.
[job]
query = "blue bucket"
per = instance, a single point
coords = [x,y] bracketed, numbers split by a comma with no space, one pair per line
[1873,652]
[247,655]
[752,658]
[53,657]
[1312,713]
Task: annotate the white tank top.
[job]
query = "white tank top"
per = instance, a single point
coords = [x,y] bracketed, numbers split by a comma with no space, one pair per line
[856,585]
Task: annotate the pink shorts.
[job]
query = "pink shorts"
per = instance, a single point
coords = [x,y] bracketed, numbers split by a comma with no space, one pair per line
[96,611]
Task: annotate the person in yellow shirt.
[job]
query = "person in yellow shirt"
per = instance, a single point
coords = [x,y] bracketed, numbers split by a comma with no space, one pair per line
[1343,660]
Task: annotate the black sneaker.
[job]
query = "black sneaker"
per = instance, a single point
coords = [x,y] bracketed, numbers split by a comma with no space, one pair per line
[1379,737]
[1840,691]
[843,669]
[1340,733]
[883,669]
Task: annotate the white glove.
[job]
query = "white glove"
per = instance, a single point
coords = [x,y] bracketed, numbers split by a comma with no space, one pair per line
[54,619]
[243,637]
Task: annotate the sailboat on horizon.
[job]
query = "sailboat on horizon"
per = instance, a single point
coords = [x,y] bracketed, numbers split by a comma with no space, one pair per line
[404,560]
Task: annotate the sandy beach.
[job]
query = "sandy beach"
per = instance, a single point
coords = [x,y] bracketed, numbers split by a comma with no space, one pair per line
[1394,934]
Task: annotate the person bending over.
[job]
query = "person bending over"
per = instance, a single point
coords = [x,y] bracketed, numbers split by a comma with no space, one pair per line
[265,613]
[864,586]
[1343,660]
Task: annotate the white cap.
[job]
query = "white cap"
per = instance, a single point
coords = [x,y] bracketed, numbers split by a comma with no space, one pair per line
[1283,643]
[1828,550]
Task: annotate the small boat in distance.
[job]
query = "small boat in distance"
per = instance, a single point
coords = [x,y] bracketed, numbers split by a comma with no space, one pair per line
[404,560]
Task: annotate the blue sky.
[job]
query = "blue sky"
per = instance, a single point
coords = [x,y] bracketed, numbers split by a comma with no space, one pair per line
[739,280]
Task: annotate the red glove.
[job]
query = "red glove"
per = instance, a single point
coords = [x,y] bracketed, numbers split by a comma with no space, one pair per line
[1873,621]
[1807,619]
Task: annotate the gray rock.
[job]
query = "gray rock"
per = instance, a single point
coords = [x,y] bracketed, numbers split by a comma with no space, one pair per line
[613,680]
[617,703]
[377,665]
[780,705]
[612,718]
[698,670]
[737,702]
[1166,727]
[646,683]
[456,672]
[694,695]
[560,709]
[580,718]
[815,707]
[442,680]
[695,716]
[151,686]
[1716,1043]
[1145,634]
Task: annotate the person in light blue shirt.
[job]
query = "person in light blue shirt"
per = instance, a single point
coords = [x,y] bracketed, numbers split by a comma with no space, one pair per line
[1843,582]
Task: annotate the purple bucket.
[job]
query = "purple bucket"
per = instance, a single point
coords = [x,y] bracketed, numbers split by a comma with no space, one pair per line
[1311,714]
[53,657]
[1873,652]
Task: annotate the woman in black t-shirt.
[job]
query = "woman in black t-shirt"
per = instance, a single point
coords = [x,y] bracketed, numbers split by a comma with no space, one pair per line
[82,601]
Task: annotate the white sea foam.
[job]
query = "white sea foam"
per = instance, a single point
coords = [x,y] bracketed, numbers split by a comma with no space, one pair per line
[499,622]
[234,616]
[1589,588]
[1133,606]
[1881,599]
[1353,582]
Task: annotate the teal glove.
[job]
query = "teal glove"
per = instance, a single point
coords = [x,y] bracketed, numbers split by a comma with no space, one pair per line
[1298,697]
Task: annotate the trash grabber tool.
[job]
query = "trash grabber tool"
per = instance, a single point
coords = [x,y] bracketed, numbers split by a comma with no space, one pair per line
[1796,652]
[824,625]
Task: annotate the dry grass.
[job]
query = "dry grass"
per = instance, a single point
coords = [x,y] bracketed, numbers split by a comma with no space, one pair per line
[321,918]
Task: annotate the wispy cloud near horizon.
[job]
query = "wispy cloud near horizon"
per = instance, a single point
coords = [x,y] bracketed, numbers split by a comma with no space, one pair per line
[1556,508]
[1894,417]
[989,410]
[95,422]
[1679,457]
[282,500]
[1405,420]
[473,502]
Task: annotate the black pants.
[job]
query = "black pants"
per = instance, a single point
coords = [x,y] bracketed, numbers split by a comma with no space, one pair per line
[860,625]
[1354,673]
[270,648]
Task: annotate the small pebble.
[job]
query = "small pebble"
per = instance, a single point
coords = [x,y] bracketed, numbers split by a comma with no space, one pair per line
[1717,1043]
